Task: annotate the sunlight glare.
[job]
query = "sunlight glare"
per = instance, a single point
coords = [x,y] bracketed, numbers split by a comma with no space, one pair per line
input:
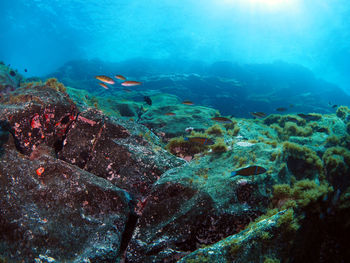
[263,5]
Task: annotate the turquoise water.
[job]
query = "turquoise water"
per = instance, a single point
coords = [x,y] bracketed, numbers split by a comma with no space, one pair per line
[40,35]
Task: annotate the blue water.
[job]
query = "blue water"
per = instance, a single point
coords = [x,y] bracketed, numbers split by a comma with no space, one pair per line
[41,35]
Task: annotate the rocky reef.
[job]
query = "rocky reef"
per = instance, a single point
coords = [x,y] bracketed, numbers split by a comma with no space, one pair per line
[81,181]
[230,88]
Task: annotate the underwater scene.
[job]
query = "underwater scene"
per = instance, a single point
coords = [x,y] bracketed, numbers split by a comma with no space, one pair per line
[174,131]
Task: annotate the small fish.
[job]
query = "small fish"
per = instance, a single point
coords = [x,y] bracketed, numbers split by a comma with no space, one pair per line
[103,85]
[200,140]
[187,102]
[250,170]
[222,119]
[147,100]
[258,114]
[127,90]
[169,114]
[120,77]
[25,70]
[12,73]
[334,106]
[130,83]
[281,109]
[309,117]
[105,79]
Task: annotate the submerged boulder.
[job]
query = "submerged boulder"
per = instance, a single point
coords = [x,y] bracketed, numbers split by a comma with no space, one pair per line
[52,209]
[70,180]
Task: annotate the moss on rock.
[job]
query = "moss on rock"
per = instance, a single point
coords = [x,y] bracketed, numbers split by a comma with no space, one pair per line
[342,112]
[302,161]
[219,146]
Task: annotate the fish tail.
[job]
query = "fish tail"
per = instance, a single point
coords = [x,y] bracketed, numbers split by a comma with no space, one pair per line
[205,141]
[233,173]
[186,138]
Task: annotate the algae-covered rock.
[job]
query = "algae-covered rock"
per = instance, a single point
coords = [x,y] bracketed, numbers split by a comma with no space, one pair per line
[157,117]
[89,181]
[262,240]
[9,79]
[185,209]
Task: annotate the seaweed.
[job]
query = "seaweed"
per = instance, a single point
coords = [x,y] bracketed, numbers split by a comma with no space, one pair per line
[302,161]
[214,130]
[219,146]
[302,194]
[337,164]
[179,147]
[342,112]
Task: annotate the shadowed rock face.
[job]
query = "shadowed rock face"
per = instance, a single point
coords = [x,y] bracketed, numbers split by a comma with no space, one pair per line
[69,180]
[62,213]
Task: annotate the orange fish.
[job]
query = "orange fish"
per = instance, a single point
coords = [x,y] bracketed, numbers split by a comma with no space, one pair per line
[103,85]
[105,79]
[120,77]
[187,102]
[170,114]
[130,83]
[222,119]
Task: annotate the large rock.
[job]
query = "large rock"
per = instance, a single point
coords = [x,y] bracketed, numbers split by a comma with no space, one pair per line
[200,203]
[38,113]
[106,148]
[50,209]
[72,181]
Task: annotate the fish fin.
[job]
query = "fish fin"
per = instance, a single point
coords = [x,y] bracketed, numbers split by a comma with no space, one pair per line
[233,173]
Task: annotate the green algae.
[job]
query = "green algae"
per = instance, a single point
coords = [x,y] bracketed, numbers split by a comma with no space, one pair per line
[342,112]
[309,158]
[219,146]
[178,146]
[215,130]
[337,164]
[301,194]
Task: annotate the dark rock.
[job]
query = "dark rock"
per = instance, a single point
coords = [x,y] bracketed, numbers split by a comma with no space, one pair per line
[35,116]
[107,149]
[180,216]
[64,212]
[53,208]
